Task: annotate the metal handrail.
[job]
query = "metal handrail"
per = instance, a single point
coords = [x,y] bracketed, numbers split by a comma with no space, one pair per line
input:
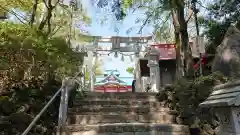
[41,112]
[67,85]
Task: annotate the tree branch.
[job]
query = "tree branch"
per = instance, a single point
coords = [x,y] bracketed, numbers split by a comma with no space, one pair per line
[53,33]
[189,15]
[15,14]
[34,10]
[163,23]
[46,3]
[48,17]
[144,23]
[49,25]
[175,20]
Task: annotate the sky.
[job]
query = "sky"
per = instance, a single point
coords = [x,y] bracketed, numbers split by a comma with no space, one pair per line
[108,29]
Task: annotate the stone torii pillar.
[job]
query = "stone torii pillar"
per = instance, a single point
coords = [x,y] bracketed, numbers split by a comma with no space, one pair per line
[153,64]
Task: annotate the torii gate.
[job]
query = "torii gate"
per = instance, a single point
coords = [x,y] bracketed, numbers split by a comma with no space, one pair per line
[133,45]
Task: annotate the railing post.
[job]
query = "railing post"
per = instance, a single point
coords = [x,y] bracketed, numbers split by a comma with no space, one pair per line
[63,108]
[67,85]
[66,98]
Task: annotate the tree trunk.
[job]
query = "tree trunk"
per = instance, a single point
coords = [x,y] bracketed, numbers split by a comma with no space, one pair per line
[47,18]
[185,49]
[34,10]
[49,21]
[183,52]
[179,63]
[179,58]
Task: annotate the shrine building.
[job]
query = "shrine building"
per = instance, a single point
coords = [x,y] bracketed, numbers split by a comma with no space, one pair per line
[111,81]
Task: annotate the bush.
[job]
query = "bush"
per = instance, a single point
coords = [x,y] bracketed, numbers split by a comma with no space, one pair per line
[19,107]
[31,69]
[28,55]
[186,95]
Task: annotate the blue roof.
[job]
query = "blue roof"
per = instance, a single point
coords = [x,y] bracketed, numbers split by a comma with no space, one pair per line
[127,80]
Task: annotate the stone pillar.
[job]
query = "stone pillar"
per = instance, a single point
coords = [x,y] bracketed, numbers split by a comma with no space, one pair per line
[84,75]
[137,76]
[236,119]
[229,120]
[153,64]
[92,72]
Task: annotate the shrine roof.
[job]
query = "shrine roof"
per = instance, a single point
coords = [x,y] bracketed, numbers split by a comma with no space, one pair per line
[112,76]
[127,80]
[224,95]
[166,51]
[110,83]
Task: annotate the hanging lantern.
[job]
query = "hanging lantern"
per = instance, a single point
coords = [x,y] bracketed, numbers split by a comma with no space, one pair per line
[115,54]
[122,58]
[131,57]
[94,54]
[137,48]
[137,54]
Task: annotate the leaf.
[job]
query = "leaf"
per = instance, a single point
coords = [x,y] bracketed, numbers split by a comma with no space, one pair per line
[130,70]
[24,5]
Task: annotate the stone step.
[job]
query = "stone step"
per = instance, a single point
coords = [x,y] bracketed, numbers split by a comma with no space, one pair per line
[117,108]
[127,129]
[96,98]
[120,102]
[124,95]
[160,118]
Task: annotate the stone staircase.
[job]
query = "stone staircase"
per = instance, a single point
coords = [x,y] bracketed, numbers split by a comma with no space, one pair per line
[121,114]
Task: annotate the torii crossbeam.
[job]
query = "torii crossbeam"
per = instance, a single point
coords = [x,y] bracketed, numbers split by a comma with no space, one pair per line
[115,42]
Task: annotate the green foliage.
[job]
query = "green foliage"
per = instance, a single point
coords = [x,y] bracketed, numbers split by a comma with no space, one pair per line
[127,4]
[24,5]
[221,15]
[163,32]
[32,66]
[130,70]
[27,53]
[22,104]
[157,14]
[186,95]
[33,63]
[65,20]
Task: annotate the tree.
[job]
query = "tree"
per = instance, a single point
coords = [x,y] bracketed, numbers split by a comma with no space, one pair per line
[154,11]
[130,70]
[221,14]
[35,57]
